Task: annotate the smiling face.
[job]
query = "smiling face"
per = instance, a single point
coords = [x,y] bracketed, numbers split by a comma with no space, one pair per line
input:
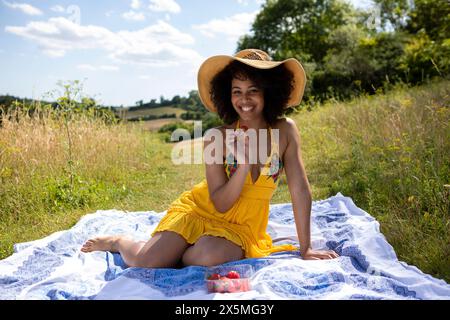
[247,99]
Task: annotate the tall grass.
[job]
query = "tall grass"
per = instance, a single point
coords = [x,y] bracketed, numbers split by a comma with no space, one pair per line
[390,153]
[53,171]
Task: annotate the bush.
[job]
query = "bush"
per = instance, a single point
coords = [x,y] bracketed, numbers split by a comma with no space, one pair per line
[425,59]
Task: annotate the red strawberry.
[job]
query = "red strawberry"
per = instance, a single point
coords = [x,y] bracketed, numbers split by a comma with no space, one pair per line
[214,276]
[233,275]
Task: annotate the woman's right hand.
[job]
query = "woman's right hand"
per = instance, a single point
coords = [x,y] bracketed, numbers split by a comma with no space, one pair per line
[238,145]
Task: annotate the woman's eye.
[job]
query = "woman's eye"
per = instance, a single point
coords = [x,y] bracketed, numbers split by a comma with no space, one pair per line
[236,92]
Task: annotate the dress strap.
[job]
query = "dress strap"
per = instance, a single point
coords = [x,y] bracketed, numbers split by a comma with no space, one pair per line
[272,144]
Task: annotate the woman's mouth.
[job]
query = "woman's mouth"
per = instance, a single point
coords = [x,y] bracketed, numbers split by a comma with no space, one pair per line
[247,109]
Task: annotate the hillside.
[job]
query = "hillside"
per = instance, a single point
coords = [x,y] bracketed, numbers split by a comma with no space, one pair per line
[149,114]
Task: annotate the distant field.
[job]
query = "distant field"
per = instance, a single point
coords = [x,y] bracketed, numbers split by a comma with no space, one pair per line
[154,125]
[156,112]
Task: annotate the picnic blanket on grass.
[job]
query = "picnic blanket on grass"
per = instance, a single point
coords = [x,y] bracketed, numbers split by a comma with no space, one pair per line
[368,268]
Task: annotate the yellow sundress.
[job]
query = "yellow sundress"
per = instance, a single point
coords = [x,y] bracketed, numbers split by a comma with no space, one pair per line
[193,214]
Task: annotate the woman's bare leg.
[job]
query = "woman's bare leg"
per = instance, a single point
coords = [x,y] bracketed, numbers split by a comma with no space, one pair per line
[211,251]
[163,250]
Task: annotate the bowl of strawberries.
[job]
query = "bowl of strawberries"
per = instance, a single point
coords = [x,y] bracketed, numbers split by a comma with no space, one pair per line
[229,279]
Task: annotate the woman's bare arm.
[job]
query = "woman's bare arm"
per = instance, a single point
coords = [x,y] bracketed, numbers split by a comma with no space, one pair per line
[298,185]
[223,192]
[301,194]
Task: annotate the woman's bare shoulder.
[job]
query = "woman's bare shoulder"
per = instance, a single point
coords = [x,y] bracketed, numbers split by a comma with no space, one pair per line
[286,126]
[287,132]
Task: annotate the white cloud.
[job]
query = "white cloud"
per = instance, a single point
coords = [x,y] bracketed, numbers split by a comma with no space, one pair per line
[58,8]
[246,2]
[90,67]
[54,53]
[109,68]
[160,44]
[86,67]
[133,16]
[24,7]
[164,6]
[157,45]
[59,35]
[233,27]
[144,77]
[135,4]
[163,55]
[168,6]
[158,33]
[243,2]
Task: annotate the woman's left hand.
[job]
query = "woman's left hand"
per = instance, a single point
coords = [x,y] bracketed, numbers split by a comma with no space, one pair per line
[311,254]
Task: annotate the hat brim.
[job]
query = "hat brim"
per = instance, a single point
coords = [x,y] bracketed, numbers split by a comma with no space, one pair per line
[215,64]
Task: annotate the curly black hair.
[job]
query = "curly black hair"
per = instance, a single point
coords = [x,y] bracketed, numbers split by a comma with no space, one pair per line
[276,83]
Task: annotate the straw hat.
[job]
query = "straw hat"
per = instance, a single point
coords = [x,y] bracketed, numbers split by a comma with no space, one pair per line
[255,58]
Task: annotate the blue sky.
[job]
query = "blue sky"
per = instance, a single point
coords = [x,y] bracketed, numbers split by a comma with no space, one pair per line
[122,50]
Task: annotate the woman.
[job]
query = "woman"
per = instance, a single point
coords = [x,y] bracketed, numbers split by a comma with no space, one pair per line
[224,217]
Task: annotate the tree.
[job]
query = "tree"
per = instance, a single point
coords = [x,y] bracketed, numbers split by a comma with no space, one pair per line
[359,61]
[88,103]
[194,103]
[432,16]
[425,58]
[301,26]
[176,100]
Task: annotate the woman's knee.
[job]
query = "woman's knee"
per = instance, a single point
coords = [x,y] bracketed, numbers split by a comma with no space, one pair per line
[164,250]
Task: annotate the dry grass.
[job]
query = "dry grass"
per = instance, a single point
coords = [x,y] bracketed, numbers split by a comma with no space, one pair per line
[51,174]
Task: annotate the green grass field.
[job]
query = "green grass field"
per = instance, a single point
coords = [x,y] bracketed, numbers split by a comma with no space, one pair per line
[390,153]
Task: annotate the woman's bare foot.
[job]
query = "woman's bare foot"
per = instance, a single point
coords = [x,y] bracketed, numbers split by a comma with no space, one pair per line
[105,243]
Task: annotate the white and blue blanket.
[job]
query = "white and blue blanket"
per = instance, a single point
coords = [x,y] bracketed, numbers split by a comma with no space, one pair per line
[54,267]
